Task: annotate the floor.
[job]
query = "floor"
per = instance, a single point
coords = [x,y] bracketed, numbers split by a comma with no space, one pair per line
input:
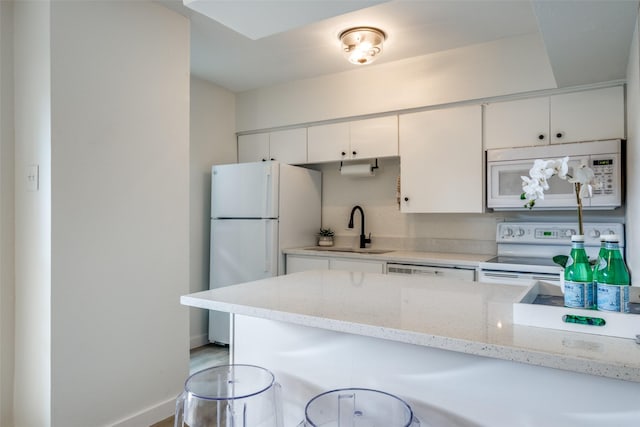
[202,358]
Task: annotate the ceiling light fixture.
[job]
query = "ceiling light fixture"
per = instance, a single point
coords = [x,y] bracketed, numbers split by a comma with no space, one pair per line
[362,45]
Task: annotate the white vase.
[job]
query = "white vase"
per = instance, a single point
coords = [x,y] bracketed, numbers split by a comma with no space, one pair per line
[325,240]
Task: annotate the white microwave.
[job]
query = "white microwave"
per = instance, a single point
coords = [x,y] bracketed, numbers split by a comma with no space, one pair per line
[505,167]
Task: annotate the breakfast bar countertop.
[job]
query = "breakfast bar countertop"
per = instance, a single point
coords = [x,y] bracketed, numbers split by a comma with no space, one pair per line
[450,314]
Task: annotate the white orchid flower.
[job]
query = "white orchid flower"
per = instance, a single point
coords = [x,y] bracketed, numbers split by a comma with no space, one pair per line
[561,167]
[584,176]
[542,170]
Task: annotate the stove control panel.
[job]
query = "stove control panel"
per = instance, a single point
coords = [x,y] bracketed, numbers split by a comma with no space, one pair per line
[554,233]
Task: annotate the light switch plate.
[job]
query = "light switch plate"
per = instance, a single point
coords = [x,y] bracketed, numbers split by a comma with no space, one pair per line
[33,177]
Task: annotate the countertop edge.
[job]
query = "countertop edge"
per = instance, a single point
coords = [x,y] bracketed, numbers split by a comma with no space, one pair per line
[399,256]
[495,351]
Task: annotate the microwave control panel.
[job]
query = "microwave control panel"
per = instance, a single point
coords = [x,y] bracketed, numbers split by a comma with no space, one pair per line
[603,169]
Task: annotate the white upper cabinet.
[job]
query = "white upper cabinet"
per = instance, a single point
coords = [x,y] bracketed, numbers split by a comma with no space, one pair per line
[328,143]
[571,117]
[441,160]
[286,146]
[359,139]
[374,138]
[587,116]
[253,148]
[520,123]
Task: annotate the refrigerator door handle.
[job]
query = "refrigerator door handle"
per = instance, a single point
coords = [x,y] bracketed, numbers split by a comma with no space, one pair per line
[266,194]
[267,248]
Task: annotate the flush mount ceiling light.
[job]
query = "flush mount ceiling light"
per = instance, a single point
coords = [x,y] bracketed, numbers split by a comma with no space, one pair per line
[362,45]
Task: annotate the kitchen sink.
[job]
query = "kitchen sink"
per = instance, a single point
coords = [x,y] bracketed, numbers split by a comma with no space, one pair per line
[350,250]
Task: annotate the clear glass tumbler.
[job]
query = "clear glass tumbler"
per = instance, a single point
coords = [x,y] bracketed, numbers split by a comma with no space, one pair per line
[230,395]
[358,407]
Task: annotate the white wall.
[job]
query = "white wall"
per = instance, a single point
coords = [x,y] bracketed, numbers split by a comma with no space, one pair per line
[389,227]
[120,211]
[490,69]
[102,248]
[213,141]
[33,215]
[633,157]
[7,289]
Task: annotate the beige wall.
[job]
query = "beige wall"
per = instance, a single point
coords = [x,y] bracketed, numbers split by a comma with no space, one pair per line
[213,141]
[7,289]
[33,215]
[633,157]
[102,251]
[490,69]
[119,211]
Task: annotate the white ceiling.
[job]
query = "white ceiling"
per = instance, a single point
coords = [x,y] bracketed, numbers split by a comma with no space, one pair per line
[258,43]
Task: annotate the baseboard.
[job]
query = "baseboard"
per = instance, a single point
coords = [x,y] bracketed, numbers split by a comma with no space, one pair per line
[150,415]
[198,340]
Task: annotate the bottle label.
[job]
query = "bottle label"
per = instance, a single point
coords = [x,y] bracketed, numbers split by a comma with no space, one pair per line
[613,297]
[579,294]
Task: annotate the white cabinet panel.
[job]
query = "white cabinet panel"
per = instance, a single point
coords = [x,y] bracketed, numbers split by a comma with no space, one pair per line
[441,160]
[520,123]
[356,265]
[253,148]
[328,143]
[358,139]
[587,116]
[569,117]
[374,138]
[289,146]
[296,264]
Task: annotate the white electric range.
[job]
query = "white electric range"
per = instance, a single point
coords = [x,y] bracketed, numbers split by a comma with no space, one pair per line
[526,250]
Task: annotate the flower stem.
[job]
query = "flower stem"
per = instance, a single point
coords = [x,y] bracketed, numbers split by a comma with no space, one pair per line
[579,200]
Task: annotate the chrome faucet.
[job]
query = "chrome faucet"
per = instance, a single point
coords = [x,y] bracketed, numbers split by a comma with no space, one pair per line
[363,239]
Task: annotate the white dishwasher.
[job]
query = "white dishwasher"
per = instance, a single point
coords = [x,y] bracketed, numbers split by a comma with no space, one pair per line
[432,271]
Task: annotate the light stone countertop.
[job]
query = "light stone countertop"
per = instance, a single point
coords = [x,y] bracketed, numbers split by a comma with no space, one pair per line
[400,256]
[468,317]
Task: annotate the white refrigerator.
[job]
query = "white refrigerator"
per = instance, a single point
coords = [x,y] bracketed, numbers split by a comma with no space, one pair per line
[258,209]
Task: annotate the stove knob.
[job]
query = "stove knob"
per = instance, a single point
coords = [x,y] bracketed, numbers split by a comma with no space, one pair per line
[594,233]
[520,232]
[507,232]
[569,233]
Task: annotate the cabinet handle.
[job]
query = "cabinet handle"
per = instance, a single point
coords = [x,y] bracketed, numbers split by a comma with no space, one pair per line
[406,199]
[264,160]
[354,153]
[272,158]
[559,135]
[541,136]
[344,154]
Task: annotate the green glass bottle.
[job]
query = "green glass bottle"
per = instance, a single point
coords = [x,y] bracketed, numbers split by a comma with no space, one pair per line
[579,289]
[612,278]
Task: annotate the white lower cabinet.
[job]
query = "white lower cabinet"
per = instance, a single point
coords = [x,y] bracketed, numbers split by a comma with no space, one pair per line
[297,263]
[356,265]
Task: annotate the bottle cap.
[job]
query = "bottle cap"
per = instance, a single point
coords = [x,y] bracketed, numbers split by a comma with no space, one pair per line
[610,238]
[577,238]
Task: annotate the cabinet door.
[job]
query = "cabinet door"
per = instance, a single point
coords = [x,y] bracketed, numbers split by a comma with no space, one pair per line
[356,265]
[328,143]
[520,123]
[253,148]
[289,146]
[441,160]
[296,264]
[587,116]
[374,138]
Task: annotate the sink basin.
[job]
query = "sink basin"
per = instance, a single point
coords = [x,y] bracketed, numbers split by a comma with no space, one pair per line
[349,250]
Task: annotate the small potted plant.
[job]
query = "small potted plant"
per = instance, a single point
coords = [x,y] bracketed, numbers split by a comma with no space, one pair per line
[325,237]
